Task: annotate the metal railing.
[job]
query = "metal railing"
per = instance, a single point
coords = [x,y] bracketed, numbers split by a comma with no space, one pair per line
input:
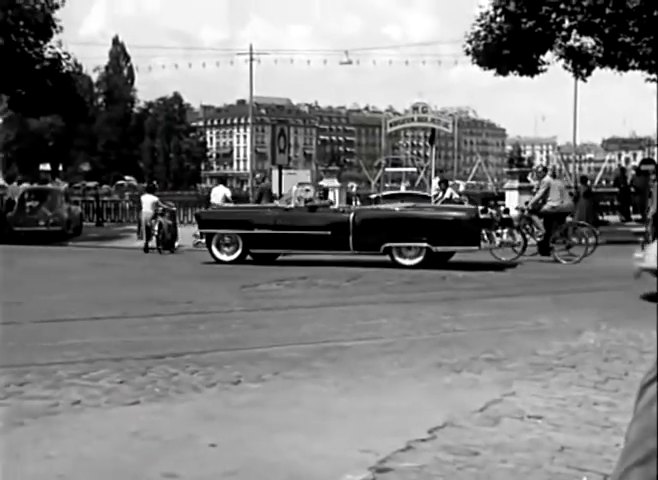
[119,211]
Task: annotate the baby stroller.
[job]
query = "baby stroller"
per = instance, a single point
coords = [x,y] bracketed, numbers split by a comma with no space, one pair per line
[165,228]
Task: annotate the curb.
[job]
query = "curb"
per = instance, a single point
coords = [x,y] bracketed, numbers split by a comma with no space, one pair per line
[181,248]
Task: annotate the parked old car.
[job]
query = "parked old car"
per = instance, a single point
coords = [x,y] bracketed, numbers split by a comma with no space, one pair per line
[410,234]
[45,209]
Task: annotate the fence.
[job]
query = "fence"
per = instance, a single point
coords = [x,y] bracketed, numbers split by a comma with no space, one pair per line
[127,211]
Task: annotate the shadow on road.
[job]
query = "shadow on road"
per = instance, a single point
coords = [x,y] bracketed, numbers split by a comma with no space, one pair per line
[383,263]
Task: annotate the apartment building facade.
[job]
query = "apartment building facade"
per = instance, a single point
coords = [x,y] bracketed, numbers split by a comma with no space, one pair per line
[227,134]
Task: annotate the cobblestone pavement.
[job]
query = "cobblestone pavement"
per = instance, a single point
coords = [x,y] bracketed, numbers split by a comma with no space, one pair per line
[533,347]
[563,417]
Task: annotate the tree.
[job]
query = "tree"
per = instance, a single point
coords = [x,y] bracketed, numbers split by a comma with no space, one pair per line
[34,63]
[523,37]
[116,99]
[171,150]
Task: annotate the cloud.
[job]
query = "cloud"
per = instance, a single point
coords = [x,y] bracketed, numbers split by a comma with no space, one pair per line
[94,22]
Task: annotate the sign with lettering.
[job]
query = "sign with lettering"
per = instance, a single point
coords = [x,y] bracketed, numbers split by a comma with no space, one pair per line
[420,121]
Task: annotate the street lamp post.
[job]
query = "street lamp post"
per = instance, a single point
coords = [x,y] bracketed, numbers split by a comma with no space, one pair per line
[574,138]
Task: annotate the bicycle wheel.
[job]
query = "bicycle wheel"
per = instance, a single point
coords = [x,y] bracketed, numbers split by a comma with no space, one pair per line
[511,240]
[569,244]
[532,237]
[158,233]
[593,236]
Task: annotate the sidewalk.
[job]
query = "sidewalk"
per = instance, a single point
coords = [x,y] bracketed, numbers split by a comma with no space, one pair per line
[125,236]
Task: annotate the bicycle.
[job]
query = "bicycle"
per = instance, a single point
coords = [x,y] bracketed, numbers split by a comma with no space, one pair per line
[568,236]
[501,233]
[535,233]
[165,230]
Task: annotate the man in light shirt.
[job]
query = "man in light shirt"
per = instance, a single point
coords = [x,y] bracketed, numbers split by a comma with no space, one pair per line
[552,203]
[220,194]
[149,203]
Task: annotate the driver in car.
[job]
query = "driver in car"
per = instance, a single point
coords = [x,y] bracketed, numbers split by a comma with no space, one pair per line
[445,194]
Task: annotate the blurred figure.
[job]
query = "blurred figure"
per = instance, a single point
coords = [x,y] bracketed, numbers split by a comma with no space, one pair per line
[620,182]
[584,200]
[640,185]
[264,190]
[637,460]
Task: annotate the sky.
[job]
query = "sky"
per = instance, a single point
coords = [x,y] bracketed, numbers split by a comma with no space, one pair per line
[609,104]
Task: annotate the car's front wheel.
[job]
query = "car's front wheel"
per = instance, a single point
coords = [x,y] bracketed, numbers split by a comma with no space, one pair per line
[408,256]
[226,247]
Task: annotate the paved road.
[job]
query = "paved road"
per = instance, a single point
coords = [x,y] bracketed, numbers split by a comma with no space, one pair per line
[147,366]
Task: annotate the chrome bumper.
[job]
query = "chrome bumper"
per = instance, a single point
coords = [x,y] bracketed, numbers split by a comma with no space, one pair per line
[38,229]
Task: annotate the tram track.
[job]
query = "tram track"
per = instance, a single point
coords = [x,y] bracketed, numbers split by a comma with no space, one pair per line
[424,298]
[335,342]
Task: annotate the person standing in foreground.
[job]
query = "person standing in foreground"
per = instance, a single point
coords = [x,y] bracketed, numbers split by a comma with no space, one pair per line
[553,204]
[220,194]
[638,457]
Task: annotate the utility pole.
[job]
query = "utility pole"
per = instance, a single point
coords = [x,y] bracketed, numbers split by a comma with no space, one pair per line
[252,147]
[574,138]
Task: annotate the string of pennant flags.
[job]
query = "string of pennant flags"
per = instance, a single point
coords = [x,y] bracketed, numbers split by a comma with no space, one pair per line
[207,64]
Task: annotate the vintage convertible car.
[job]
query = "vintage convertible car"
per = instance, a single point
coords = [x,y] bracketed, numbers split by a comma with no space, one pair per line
[45,209]
[410,234]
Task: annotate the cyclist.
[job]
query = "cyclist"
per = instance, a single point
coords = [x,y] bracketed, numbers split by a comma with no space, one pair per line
[552,204]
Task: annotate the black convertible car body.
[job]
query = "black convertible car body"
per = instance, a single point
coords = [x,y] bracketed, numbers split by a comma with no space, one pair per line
[409,233]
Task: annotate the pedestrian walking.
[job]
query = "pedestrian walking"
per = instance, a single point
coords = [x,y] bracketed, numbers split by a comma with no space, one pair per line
[584,200]
[264,193]
[620,182]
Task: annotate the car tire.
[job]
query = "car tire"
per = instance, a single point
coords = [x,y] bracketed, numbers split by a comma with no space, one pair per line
[264,258]
[408,257]
[215,247]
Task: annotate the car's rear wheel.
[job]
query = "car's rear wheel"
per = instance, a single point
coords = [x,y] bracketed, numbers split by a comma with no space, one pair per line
[264,258]
[226,247]
[408,256]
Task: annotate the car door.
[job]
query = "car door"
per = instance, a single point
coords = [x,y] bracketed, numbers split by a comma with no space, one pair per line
[311,229]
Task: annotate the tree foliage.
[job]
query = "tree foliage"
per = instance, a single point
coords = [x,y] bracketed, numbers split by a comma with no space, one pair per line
[54,112]
[171,151]
[116,99]
[523,37]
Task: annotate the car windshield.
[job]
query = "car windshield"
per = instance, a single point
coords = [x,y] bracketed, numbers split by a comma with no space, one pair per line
[36,199]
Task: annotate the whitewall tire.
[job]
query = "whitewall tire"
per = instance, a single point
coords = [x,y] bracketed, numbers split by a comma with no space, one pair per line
[226,247]
[408,256]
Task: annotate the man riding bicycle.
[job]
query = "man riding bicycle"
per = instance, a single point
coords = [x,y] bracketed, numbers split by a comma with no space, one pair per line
[552,204]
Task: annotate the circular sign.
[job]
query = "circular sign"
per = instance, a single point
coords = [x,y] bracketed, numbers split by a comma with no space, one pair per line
[282,141]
